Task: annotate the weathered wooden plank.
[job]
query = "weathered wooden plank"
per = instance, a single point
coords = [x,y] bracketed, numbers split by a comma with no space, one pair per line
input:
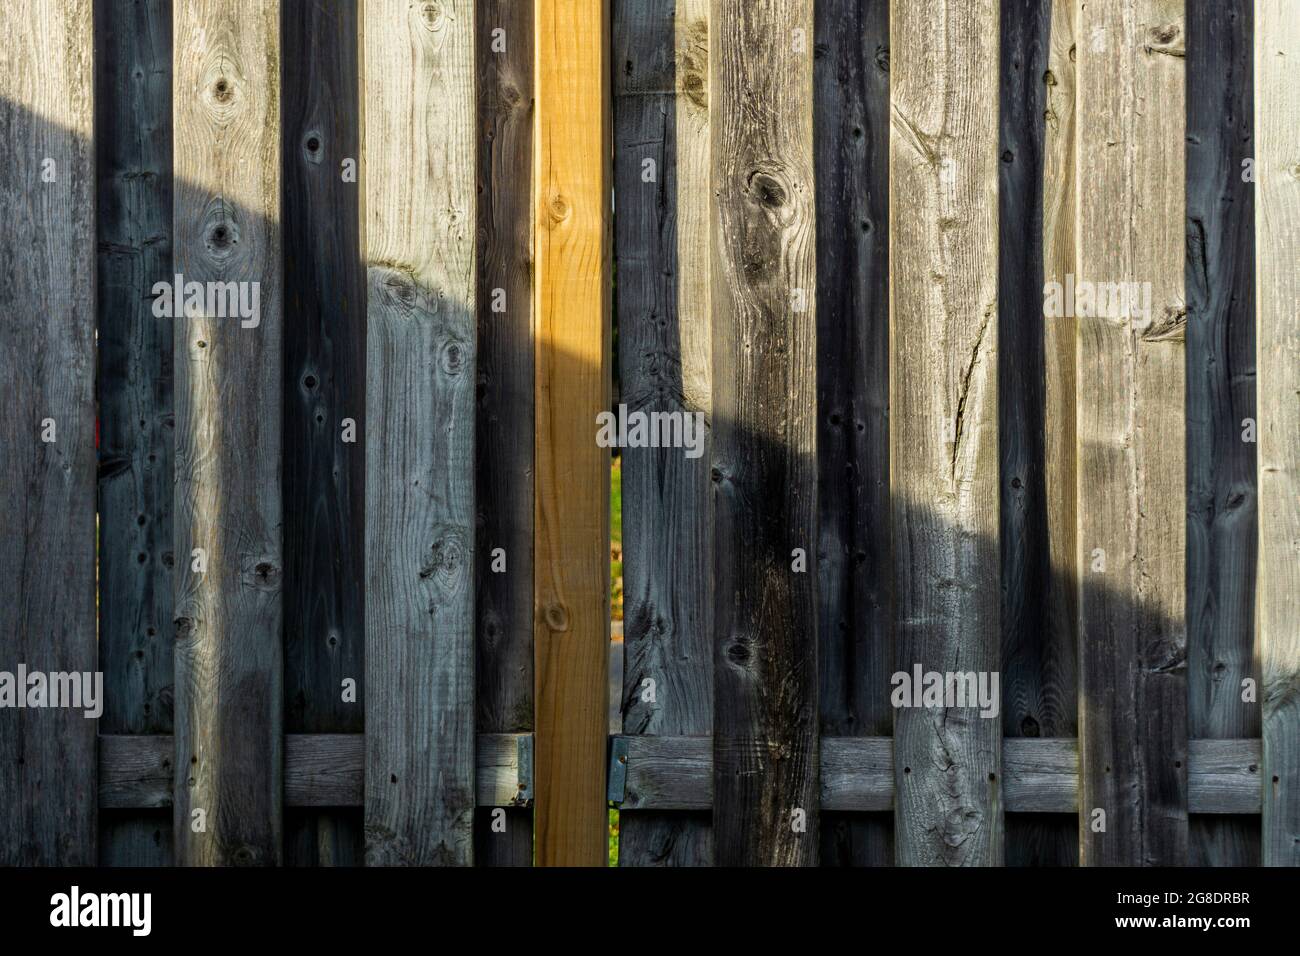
[320,770]
[420,207]
[1036,395]
[661,247]
[133,154]
[1040,775]
[1277,249]
[324,388]
[47,469]
[572,313]
[763,292]
[1221,518]
[854,632]
[943,396]
[1131,537]
[229,658]
[504,446]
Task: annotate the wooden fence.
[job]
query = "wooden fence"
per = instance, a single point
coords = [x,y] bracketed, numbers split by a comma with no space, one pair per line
[343,558]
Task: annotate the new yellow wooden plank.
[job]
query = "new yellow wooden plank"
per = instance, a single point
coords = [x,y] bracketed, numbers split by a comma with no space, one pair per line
[571,312]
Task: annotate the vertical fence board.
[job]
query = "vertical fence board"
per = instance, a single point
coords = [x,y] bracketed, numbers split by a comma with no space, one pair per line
[504,447]
[944,409]
[1277,249]
[572,302]
[133,147]
[47,371]
[1035,421]
[661,252]
[420,219]
[854,632]
[765,740]
[324,384]
[229,655]
[1133,746]
[1221,519]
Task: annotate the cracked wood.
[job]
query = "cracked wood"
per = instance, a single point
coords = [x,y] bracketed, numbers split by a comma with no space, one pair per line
[944,410]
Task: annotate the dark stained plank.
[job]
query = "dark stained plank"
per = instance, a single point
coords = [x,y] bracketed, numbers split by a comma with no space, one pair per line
[504,446]
[47,433]
[1221,513]
[229,654]
[420,209]
[1277,248]
[1039,641]
[855,637]
[661,250]
[324,385]
[133,152]
[1131,468]
[943,179]
[764,305]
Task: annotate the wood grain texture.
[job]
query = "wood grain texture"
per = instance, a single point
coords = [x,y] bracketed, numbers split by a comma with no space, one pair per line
[229,655]
[1221,500]
[418,86]
[324,384]
[572,316]
[944,412]
[320,770]
[1133,678]
[504,445]
[763,293]
[133,152]
[1036,393]
[47,371]
[854,631]
[1040,776]
[661,249]
[1277,249]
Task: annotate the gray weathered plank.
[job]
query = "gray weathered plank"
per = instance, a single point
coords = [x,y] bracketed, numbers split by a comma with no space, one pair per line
[47,433]
[324,385]
[1036,397]
[1133,685]
[1221,517]
[1277,249]
[763,293]
[854,631]
[1040,774]
[133,152]
[661,249]
[229,660]
[944,412]
[651,772]
[320,770]
[420,207]
[504,445]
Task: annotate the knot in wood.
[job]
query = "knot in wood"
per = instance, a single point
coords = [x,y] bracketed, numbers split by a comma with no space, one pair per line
[557,617]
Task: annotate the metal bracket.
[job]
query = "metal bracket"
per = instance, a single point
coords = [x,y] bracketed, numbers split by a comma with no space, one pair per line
[617,769]
[524,759]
